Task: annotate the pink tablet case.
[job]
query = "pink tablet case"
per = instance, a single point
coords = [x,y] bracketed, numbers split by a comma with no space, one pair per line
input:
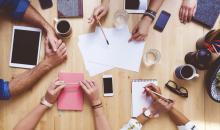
[71,97]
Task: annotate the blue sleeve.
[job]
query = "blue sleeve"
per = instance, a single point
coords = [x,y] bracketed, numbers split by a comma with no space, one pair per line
[4,90]
[18,8]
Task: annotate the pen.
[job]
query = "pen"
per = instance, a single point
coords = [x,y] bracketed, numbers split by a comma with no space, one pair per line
[68,84]
[102,31]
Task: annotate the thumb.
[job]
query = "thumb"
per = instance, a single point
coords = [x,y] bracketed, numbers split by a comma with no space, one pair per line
[58,89]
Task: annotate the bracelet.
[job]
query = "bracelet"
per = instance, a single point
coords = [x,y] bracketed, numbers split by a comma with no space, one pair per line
[97,106]
[46,103]
[150,13]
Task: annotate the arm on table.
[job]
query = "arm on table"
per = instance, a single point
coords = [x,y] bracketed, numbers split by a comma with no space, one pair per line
[140,31]
[92,92]
[32,16]
[26,80]
[30,121]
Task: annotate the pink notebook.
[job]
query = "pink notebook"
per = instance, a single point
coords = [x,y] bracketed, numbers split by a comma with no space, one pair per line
[71,97]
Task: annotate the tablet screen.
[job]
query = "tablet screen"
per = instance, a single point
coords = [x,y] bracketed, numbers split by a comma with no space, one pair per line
[136,4]
[25,47]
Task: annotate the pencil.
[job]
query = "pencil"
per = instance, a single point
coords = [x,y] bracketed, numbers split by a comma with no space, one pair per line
[215,49]
[102,31]
[167,99]
[68,84]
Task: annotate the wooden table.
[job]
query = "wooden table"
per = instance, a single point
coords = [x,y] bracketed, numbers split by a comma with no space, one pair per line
[176,40]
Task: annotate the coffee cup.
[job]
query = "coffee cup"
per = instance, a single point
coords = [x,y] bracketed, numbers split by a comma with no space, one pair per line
[186,72]
[63,28]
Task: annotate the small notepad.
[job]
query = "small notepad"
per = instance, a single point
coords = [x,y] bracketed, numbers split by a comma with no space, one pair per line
[71,97]
[139,99]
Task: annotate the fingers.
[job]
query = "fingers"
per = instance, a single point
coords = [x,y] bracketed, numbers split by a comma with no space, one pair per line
[84,87]
[101,15]
[58,89]
[46,44]
[185,15]
[87,85]
[181,14]
[97,12]
[53,45]
[152,95]
[190,15]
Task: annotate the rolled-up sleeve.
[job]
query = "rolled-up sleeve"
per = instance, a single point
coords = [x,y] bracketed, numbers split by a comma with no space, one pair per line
[133,124]
[4,90]
[18,9]
[188,126]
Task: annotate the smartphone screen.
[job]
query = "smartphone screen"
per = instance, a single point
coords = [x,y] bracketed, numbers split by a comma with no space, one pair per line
[108,89]
[45,4]
[162,21]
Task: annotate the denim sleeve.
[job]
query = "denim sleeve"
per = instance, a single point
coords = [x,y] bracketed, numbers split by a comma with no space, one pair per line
[4,90]
[18,8]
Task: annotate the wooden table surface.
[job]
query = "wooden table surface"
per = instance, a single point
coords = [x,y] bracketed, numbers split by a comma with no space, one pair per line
[176,40]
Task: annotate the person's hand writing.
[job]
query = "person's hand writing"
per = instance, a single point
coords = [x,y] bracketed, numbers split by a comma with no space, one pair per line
[159,104]
[140,31]
[99,12]
[52,58]
[53,92]
[92,91]
[187,10]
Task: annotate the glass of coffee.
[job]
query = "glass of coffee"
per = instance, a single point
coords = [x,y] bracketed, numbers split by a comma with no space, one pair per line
[63,28]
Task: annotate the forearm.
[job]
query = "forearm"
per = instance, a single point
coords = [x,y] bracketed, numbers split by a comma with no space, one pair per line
[177,117]
[101,121]
[155,5]
[33,16]
[26,80]
[30,121]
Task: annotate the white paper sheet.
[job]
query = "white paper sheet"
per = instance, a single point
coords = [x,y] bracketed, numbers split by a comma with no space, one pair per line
[97,54]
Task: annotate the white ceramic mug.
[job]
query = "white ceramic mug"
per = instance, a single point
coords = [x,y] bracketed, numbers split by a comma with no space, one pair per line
[186,72]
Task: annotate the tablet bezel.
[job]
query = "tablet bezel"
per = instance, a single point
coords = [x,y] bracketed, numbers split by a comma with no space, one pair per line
[131,11]
[19,65]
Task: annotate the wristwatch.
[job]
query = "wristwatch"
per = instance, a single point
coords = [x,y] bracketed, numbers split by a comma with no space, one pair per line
[148,113]
[46,103]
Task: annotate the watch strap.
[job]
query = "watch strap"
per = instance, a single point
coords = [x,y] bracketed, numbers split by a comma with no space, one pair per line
[150,13]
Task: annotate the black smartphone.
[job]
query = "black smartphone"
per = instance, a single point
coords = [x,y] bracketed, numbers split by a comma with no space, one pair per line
[108,86]
[162,21]
[45,4]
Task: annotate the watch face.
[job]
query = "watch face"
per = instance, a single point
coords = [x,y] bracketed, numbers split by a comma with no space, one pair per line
[147,113]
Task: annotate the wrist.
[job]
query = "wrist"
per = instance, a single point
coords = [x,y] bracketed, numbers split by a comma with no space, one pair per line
[46,65]
[96,102]
[106,2]
[147,19]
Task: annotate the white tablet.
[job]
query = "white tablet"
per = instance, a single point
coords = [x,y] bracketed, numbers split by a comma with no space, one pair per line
[25,47]
[135,6]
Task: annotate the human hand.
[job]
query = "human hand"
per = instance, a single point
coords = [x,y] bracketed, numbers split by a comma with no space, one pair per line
[53,40]
[187,10]
[53,91]
[92,91]
[99,12]
[140,31]
[159,104]
[52,58]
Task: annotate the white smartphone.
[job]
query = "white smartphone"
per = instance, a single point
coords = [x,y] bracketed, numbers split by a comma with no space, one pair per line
[108,85]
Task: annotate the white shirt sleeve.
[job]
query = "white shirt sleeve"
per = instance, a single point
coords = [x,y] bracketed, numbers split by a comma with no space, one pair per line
[133,124]
[188,126]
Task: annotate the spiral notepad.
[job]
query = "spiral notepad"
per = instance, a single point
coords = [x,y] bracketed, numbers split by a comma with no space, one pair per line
[139,99]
